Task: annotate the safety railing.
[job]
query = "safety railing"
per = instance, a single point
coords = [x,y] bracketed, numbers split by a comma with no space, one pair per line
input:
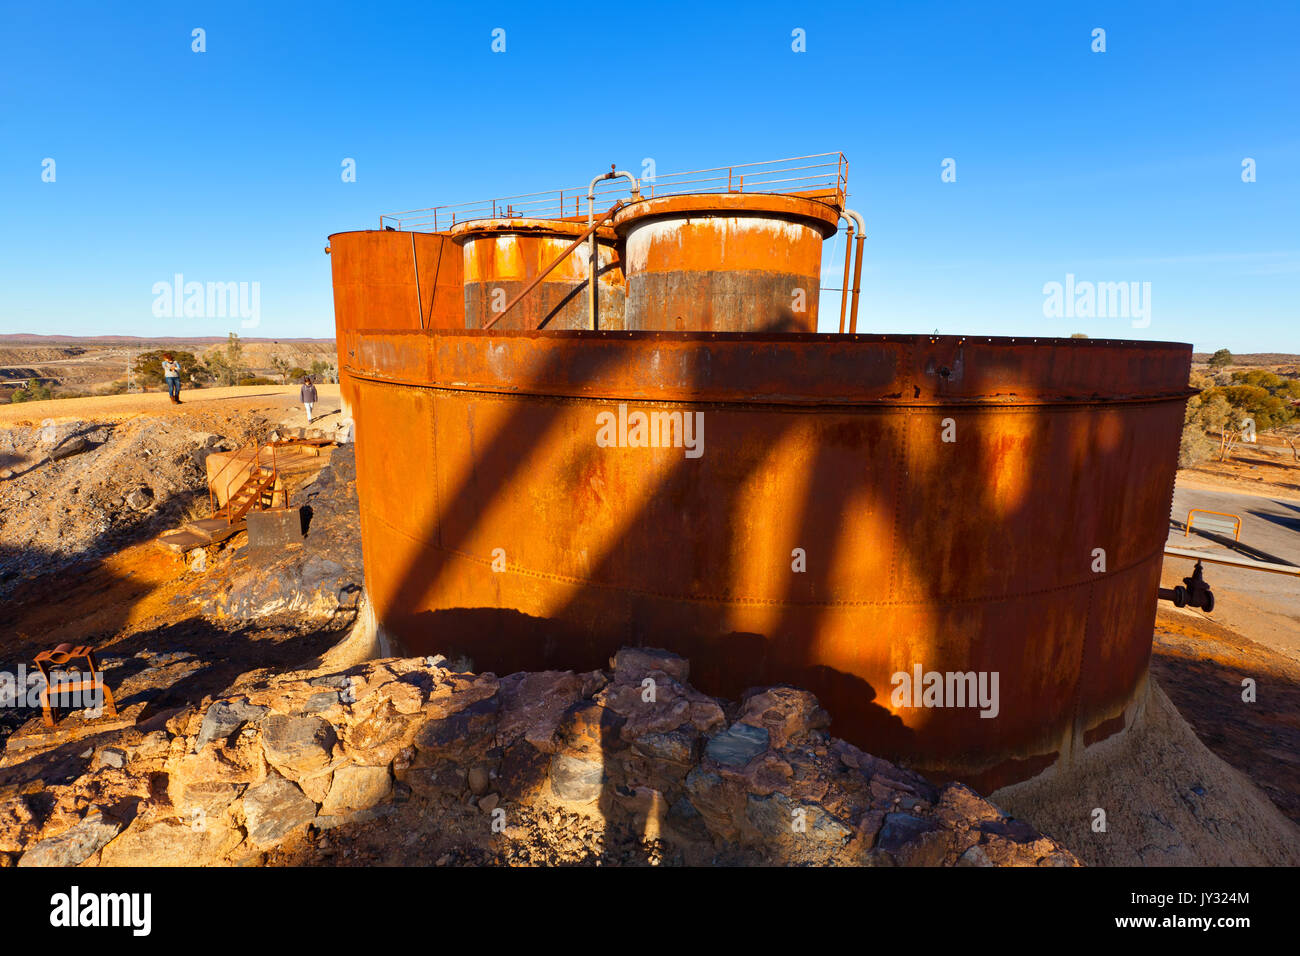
[1213,521]
[821,175]
[257,447]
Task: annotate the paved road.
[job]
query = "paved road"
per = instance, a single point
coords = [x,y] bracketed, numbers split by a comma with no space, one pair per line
[1263,607]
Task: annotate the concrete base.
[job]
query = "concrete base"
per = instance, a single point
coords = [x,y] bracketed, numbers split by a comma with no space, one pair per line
[274,529]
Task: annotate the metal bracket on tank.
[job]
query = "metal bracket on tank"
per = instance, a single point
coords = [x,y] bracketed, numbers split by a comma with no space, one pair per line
[946,368]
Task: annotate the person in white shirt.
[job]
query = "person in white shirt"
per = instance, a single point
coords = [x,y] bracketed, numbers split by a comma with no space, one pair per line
[172,376]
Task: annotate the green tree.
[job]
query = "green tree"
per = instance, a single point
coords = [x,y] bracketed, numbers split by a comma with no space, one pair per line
[148,366]
[227,364]
[1267,409]
[1220,358]
[1260,378]
[33,391]
[1194,446]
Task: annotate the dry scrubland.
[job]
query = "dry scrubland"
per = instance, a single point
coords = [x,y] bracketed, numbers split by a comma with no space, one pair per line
[90,366]
[251,699]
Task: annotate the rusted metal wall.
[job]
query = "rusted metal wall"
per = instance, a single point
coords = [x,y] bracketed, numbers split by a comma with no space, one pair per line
[503,255]
[727,262]
[376,277]
[526,544]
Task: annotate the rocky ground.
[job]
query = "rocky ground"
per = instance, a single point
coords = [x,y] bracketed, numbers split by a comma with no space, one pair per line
[403,761]
[72,489]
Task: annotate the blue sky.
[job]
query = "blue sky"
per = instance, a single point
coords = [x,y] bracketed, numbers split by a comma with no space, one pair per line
[1122,166]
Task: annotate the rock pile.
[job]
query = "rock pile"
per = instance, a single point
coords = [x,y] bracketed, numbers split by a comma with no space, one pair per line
[76,489]
[405,761]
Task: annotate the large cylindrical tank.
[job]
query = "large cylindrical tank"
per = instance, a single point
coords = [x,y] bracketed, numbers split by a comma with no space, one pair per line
[842,511]
[503,255]
[731,262]
[385,279]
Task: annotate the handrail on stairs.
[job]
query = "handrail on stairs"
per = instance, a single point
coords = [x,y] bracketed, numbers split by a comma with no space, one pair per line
[257,442]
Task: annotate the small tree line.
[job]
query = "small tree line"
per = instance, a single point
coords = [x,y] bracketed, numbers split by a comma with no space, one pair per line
[223,366]
[1233,404]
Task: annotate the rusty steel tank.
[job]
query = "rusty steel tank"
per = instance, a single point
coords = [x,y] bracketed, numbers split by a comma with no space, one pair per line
[837,512]
[387,279]
[503,255]
[737,262]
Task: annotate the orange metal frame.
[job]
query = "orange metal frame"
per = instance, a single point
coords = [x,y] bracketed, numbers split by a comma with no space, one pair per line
[1236,535]
[64,654]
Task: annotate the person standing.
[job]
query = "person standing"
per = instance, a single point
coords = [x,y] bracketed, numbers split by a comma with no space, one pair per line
[172,376]
[308,396]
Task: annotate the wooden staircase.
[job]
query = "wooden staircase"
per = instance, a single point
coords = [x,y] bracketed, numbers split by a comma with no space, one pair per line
[256,490]
[267,459]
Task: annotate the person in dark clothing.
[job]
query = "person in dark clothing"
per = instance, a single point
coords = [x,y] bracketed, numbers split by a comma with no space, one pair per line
[308,396]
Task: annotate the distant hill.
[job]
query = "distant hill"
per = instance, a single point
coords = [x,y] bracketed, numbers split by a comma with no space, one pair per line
[27,338]
[1253,358]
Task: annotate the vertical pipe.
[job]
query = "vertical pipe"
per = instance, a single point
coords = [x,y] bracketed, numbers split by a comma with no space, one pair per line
[857,267]
[857,282]
[593,280]
[593,284]
[419,299]
[844,286]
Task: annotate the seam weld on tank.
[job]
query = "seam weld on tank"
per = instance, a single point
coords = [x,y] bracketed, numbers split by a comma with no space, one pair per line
[729,262]
[501,256]
[862,506]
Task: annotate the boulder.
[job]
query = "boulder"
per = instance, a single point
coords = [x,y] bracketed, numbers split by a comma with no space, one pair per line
[274,809]
[737,745]
[139,499]
[631,665]
[297,745]
[576,779]
[169,843]
[73,846]
[225,717]
[357,788]
[787,714]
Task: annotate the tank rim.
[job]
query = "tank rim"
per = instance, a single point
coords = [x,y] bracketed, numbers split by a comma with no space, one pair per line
[471,229]
[820,215]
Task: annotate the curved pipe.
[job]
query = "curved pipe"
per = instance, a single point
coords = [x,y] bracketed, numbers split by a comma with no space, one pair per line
[593,299]
[848,259]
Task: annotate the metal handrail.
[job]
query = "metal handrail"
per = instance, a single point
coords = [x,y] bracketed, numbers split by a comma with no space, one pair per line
[1232,562]
[1236,534]
[831,175]
[258,443]
[213,480]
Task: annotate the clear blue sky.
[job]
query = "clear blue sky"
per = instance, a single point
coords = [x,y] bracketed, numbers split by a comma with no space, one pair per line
[1123,166]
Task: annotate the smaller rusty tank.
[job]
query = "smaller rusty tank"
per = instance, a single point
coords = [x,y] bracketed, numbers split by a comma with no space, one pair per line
[501,257]
[729,262]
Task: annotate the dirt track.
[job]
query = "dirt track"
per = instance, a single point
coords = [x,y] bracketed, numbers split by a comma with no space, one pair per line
[193,402]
